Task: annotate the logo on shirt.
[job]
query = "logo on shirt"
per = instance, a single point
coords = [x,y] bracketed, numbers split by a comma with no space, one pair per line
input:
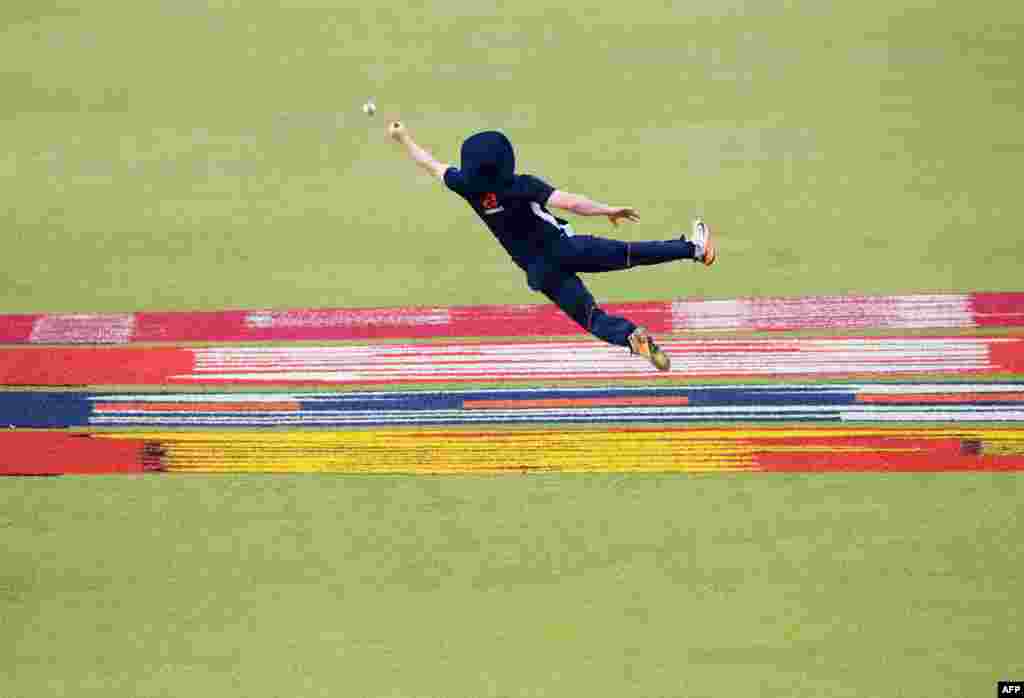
[489,202]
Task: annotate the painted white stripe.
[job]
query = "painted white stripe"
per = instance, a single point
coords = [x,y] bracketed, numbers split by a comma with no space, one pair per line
[471,419]
[793,388]
[711,367]
[440,375]
[945,415]
[908,311]
[83,328]
[395,355]
[939,388]
[553,412]
[656,411]
[996,415]
[688,362]
[397,317]
[487,360]
[770,387]
[186,398]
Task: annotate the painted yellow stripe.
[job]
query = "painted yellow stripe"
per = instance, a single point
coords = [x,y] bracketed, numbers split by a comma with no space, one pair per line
[399,450]
[411,450]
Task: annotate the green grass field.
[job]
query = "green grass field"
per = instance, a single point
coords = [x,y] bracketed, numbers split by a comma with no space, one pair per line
[513,586]
[186,155]
[174,155]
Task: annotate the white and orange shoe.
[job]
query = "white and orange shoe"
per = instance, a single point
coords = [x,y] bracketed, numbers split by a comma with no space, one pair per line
[702,239]
[643,344]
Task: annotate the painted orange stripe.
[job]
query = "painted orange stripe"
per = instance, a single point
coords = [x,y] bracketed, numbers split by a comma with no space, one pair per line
[935,398]
[282,406]
[574,402]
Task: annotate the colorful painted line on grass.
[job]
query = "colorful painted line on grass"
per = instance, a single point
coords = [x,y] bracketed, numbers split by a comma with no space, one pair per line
[882,402]
[967,310]
[800,449]
[507,361]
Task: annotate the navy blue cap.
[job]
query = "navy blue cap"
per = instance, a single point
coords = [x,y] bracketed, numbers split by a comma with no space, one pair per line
[488,162]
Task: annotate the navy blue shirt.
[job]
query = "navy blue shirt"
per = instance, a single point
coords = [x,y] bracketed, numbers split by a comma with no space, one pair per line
[517,215]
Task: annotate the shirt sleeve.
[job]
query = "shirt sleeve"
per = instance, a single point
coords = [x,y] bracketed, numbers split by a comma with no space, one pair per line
[537,189]
[453,180]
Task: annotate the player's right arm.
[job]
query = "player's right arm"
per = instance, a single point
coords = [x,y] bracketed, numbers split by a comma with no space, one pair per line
[582,206]
[397,130]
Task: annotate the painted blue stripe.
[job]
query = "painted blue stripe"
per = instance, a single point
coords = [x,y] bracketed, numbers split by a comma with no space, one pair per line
[170,421]
[44,410]
[703,396]
[430,401]
[812,402]
[754,396]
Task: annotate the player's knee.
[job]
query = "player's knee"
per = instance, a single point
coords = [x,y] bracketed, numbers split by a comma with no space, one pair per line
[583,311]
[594,317]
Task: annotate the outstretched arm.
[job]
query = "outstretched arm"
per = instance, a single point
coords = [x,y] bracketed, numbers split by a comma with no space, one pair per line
[582,206]
[397,130]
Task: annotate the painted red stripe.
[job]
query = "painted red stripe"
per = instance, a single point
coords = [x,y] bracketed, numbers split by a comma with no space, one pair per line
[54,366]
[885,462]
[16,329]
[842,312]
[937,398]
[875,453]
[573,402]
[1006,356]
[55,453]
[997,309]
[376,323]
[859,440]
[215,326]
[197,407]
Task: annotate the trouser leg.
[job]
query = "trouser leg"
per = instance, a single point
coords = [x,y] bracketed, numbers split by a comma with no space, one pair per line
[568,293]
[658,252]
[588,254]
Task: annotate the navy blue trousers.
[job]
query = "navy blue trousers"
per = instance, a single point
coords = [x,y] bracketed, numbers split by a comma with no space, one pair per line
[555,274]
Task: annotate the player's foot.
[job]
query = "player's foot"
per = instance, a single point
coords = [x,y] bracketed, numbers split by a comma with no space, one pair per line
[705,252]
[643,344]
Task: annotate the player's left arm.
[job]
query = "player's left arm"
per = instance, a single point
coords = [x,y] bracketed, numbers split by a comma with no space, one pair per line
[582,206]
[419,155]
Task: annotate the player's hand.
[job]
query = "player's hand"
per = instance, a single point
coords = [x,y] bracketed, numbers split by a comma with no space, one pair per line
[396,129]
[624,212]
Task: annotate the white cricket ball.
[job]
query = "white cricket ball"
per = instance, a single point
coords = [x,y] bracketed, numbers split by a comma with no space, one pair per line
[369,108]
